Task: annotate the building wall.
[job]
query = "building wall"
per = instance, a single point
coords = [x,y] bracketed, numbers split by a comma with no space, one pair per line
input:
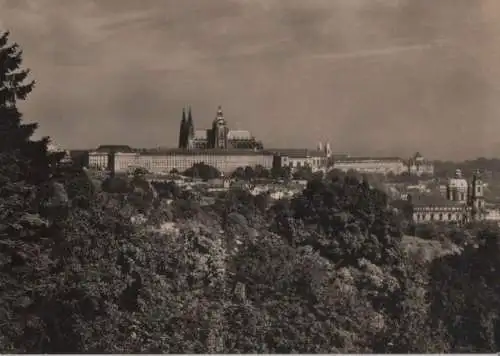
[315,163]
[372,166]
[432,214]
[158,163]
[98,160]
[420,169]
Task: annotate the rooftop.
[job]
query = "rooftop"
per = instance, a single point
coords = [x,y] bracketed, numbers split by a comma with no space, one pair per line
[433,200]
[368,159]
[296,152]
[214,152]
[114,148]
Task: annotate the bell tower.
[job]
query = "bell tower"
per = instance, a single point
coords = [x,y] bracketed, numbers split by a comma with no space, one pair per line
[477,195]
[219,130]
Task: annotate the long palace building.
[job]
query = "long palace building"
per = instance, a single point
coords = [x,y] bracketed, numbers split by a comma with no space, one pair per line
[217,146]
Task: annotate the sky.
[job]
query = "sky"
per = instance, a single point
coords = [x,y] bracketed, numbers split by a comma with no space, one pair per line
[372,77]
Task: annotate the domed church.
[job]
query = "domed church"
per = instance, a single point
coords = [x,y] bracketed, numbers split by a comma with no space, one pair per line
[464,201]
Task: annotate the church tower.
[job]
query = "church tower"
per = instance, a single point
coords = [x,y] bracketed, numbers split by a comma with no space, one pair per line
[182,130]
[476,196]
[328,150]
[189,130]
[219,131]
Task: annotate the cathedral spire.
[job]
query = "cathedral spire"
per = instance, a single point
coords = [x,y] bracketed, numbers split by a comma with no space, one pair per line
[182,130]
[190,116]
[189,129]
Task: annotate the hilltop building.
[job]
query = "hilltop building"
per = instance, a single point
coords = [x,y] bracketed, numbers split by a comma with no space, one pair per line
[219,136]
[418,165]
[462,202]
[298,158]
[218,146]
[371,165]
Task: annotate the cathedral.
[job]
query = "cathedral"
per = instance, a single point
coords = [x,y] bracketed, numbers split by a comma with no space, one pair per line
[219,136]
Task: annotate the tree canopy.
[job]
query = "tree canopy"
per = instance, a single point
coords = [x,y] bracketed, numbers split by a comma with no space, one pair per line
[202,171]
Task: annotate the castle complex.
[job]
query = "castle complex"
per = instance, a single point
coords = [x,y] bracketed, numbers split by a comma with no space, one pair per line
[228,149]
[219,136]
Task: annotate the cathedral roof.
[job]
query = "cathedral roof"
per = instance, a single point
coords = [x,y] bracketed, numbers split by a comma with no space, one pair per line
[239,135]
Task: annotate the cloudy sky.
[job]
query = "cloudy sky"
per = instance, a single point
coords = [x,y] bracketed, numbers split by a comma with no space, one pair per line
[380,77]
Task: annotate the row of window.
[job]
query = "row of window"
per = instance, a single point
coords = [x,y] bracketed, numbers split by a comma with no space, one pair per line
[439,216]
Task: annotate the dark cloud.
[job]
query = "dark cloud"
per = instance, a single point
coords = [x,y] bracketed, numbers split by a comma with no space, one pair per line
[372,76]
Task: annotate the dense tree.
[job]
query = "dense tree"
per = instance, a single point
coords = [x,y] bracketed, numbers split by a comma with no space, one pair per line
[203,171]
[26,236]
[281,172]
[304,173]
[248,173]
[465,296]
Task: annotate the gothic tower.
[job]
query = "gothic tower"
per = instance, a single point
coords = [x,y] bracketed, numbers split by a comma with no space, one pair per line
[219,131]
[182,130]
[189,130]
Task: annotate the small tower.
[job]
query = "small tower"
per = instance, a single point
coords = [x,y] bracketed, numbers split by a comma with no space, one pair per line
[320,146]
[328,150]
[476,196]
[182,130]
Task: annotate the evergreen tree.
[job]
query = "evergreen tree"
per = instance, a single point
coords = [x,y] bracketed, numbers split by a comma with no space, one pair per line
[24,233]
[15,136]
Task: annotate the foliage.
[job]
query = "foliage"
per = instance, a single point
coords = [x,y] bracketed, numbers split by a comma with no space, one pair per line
[248,173]
[203,171]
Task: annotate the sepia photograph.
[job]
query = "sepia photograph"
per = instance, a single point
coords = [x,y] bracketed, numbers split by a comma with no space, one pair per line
[249,176]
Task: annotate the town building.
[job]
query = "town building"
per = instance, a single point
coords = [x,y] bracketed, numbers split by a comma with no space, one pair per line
[219,136]
[462,202]
[418,165]
[371,165]
[101,158]
[301,158]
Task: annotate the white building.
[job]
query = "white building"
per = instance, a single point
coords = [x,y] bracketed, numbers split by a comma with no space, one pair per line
[380,165]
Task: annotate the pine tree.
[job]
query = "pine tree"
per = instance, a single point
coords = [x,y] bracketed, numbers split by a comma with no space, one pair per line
[15,136]
[25,240]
